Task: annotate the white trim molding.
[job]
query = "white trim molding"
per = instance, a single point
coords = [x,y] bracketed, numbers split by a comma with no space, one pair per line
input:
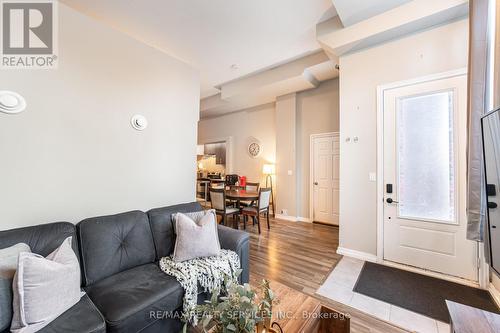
[293,218]
[495,293]
[286,217]
[357,254]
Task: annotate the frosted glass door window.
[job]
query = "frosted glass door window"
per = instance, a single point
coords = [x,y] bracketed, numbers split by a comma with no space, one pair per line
[426,161]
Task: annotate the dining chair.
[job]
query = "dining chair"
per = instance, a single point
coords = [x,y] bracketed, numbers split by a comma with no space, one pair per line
[250,187]
[261,207]
[215,184]
[218,201]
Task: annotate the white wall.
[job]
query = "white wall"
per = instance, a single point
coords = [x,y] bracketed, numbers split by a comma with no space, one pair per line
[73,154]
[438,50]
[317,112]
[286,158]
[244,127]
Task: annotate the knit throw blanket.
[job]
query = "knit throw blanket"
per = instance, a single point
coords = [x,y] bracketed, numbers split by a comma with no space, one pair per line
[208,272]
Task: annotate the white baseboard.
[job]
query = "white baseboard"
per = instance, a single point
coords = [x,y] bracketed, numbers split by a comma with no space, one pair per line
[357,254]
[292,218]
[286,217]
[495,293]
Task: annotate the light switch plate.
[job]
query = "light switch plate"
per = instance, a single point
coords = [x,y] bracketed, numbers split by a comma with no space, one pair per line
[372,176]
[290,172]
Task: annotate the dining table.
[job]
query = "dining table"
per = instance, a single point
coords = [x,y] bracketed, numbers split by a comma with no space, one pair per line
[239,195]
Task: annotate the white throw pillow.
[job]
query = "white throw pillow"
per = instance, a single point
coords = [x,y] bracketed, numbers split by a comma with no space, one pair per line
[196,239]
[8,266]
[44,288]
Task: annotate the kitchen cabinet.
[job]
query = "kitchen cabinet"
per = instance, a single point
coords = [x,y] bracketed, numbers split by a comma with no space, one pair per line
[220,153]
[210,148]
[218,150]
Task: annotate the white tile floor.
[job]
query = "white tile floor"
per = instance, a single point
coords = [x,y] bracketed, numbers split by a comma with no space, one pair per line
[338,286]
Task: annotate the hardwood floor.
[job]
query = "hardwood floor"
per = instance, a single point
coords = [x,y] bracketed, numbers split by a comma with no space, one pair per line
[301,256]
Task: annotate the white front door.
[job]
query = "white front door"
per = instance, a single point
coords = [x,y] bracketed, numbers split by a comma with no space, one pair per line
[325,154]
[425,164]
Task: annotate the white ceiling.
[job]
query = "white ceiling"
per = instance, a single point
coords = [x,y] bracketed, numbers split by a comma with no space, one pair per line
[354,11]
[212,35]
[264,87]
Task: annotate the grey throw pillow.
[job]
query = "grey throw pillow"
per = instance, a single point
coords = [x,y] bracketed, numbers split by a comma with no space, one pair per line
[195,216]
[44,288]
[8,266]
[196,237]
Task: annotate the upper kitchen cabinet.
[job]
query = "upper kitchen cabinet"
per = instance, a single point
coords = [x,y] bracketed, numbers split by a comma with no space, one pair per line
[218,150]
[220,153]
[210,148]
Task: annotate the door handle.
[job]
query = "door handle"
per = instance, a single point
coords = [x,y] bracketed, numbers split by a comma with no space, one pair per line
[390,201]
[315,183]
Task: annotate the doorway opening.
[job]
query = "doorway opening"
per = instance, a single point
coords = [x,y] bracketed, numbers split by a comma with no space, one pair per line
[213,163]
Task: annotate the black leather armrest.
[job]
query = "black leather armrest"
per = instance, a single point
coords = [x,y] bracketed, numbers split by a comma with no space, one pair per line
[239,242]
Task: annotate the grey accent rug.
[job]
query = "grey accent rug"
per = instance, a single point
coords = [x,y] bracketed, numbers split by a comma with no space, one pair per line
[419,293]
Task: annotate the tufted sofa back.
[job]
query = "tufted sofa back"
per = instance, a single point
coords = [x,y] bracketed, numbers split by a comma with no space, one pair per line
[106,245]
[114,243]
[42,239]
[161,223]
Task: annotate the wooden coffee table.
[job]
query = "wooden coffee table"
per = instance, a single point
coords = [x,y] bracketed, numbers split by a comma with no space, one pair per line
[298,312]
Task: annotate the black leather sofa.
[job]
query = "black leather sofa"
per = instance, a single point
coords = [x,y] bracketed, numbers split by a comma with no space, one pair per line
[125,289]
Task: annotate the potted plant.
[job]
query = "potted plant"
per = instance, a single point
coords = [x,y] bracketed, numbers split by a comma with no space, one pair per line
[238,309]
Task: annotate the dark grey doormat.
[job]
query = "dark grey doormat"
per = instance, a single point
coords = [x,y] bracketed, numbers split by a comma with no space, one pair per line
[419,293]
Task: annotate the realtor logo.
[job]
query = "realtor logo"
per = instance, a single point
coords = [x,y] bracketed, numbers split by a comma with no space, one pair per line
[29,33]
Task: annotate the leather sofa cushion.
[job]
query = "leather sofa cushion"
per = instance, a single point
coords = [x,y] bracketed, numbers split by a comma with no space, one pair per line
[162,226]
[82,317]
[115,243]
[42,239]
[127,299]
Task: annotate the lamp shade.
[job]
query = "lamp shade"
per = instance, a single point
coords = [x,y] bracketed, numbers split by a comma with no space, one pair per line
[200,150]
[268,169]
